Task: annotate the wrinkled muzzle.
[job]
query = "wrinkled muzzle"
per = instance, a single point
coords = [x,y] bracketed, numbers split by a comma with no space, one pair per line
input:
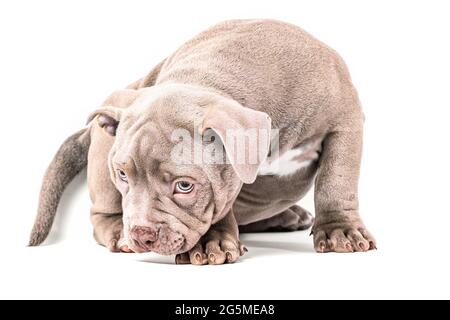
[159,238]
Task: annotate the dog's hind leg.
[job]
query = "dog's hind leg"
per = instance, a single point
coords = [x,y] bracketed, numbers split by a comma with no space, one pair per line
[292,219]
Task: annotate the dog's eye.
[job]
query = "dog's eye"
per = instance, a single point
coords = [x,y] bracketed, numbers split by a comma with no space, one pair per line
[122,175]
[183,187]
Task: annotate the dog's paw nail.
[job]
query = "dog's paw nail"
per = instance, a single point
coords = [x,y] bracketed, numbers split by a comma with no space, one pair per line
[322,246]
[373,246]
[349,247]
[229,257]
[112,246]
[242,249]
[212,257]
[361,245]
[198,257]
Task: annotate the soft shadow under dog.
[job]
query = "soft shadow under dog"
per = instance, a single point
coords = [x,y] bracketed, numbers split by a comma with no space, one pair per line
[256,248]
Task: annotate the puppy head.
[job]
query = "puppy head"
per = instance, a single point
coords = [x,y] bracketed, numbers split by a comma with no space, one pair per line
[179,162]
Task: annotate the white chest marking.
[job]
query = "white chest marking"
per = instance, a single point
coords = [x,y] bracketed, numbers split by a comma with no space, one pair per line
[289,162]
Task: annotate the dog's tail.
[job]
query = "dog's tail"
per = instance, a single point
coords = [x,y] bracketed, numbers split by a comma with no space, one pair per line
[70,159]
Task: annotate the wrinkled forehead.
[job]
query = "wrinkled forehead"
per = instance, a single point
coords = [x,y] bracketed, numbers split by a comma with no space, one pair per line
[147,128]
[146,147]
[142,141]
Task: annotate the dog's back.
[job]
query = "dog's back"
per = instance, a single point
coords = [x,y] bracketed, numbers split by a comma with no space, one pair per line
[266,65]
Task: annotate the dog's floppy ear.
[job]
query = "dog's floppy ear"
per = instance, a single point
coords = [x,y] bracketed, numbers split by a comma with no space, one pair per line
[245,134]
[109,115]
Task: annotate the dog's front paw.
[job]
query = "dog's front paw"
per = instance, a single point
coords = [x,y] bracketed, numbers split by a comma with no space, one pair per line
[342,237]
[214,248]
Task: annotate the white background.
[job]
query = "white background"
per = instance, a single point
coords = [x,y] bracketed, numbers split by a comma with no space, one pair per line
[60,59]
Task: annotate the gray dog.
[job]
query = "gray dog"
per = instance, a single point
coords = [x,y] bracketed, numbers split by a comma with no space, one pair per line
[247,76]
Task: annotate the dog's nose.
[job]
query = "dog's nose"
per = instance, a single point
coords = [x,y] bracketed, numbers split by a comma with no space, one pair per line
[144,236]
